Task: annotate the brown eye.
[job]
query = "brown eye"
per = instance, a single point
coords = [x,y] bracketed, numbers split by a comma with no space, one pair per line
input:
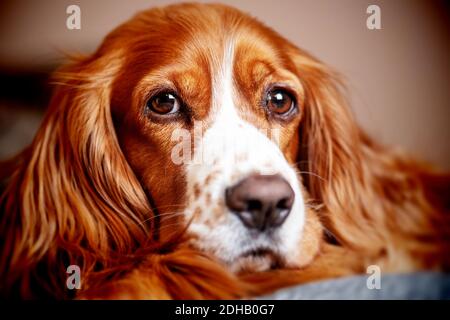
[164,103]
[279,102]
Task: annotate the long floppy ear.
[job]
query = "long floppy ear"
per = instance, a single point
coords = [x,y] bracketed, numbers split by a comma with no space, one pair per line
[72,198]
[330,149]
[374,200]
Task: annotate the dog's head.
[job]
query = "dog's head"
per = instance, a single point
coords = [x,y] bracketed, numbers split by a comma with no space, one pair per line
[207,107]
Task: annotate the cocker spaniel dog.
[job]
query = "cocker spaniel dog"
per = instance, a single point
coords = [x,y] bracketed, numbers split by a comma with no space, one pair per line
[199,154]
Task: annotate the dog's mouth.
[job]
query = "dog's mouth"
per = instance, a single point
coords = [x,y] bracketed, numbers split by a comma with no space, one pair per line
[259,259]
[259,252]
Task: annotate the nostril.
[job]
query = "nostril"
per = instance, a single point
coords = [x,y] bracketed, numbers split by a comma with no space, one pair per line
[284,204]
[254,205]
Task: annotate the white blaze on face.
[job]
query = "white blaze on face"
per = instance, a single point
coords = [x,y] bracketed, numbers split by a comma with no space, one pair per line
[230,150]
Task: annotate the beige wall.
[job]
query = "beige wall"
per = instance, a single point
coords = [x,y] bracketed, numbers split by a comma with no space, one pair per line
[399,77]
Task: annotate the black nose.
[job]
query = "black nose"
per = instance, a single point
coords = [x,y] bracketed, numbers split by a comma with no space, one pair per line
[261,201]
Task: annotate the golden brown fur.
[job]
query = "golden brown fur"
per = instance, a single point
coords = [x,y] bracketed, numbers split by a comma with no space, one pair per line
[73,198]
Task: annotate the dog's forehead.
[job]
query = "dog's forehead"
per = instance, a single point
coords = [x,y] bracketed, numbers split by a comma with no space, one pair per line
[202,67]
[189,51]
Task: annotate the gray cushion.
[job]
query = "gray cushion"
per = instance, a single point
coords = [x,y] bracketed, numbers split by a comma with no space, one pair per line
[423,285]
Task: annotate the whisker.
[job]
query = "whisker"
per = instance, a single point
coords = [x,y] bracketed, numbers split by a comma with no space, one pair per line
[171,205]
[174,214]
[311,173]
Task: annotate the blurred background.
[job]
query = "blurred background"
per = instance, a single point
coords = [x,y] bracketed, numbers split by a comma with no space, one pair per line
[398,77]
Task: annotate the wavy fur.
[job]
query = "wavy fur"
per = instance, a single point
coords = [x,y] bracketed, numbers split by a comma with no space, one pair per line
[72,198]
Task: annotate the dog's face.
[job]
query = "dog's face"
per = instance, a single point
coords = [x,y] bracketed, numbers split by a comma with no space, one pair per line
[207,109]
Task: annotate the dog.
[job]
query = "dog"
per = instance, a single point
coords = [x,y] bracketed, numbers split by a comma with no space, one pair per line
[199,154]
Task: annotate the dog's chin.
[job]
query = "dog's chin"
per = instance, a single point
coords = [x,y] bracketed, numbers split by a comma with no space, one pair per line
[256,261]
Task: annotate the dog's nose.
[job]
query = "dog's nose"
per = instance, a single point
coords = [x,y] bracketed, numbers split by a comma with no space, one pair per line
[261,201]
